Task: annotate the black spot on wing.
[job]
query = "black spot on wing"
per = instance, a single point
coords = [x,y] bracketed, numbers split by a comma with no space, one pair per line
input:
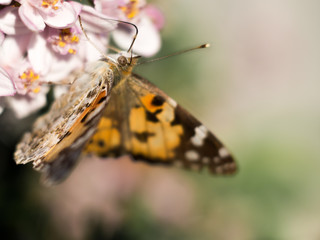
[158,111]
[102,99]
[91,93]
[80,110]
[101,143]
[151,117]
[177,119]
[114,152]
[151,161]
[85,116]
[157,101]
[143,137]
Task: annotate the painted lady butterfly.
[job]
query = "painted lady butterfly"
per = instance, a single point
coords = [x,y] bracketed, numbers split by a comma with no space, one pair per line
[140,120]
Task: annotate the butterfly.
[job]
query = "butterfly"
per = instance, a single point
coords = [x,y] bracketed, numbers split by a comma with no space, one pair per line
[110,111]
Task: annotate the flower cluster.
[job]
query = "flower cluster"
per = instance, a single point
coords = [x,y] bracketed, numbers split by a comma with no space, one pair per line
[41,42]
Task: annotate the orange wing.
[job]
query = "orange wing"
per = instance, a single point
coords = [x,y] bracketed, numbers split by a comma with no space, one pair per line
[145,123]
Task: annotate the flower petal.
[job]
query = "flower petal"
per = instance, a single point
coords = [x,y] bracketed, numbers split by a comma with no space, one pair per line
[76,6]
[96,22]
[31,17]
[5,2]
[148,41]
[22,105]
[13,49]
[1,38]
[39,55]
[63,18]
[10,52]
[88,52]
[10,22]
[62,66]
[7,87]
[155,15]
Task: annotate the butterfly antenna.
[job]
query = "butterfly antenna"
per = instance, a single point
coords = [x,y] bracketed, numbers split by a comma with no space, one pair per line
[134,36]
[110,47]
[85,34]
[206,45]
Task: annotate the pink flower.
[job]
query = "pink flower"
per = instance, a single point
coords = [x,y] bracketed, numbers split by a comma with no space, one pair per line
[55,13]
[120,9]
[65,41]
[72,40]
[42,42]
[26,80]
[147,18]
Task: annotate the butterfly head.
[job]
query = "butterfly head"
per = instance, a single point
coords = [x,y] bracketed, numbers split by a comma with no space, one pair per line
[125,62]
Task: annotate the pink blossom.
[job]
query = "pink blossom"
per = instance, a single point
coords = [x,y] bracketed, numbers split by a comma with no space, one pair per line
[147,18]
[26,79]
[70,40]
[65,41]
[51,66]
[57,14]
[120,9]
[50,56]
[42,42]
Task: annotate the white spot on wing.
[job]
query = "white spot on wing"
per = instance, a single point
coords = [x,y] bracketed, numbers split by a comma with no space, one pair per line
[223,152]
[200,134]
[172,102]
[192,155]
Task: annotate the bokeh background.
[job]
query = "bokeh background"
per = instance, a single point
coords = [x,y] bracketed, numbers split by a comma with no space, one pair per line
[256,88]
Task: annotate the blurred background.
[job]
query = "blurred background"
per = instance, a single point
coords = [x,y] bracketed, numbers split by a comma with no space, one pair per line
[256,88]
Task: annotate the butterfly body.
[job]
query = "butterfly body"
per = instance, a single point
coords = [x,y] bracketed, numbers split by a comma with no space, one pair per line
[139,120]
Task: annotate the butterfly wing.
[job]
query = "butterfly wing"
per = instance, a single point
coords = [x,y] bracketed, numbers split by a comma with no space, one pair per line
[57,138]
[144,122]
